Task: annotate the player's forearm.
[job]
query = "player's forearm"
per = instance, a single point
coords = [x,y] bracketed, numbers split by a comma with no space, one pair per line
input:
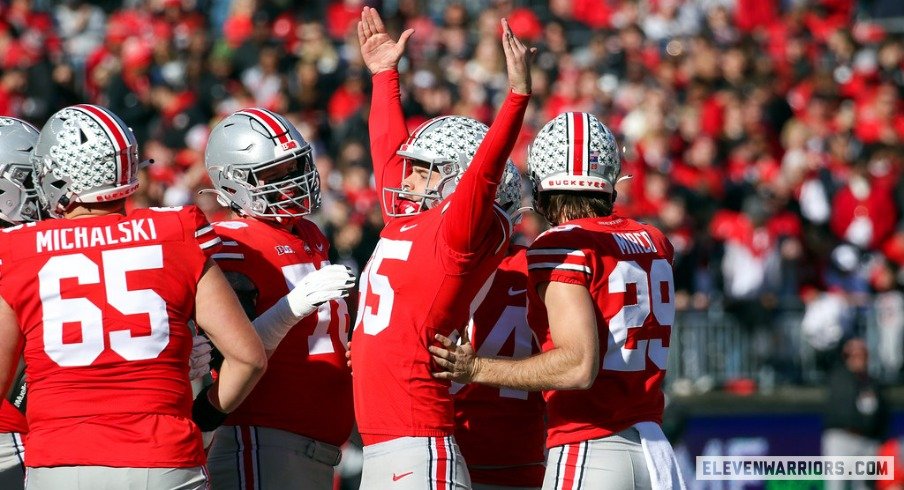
[470,218]
[387,128]
[556,369]
[235,381]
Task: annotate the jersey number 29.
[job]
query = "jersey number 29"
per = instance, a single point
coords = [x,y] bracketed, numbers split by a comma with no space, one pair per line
[630,340]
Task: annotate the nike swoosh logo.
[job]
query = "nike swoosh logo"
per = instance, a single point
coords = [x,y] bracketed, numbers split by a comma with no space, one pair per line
[407,227]
[514,292]
[320,247]
[399,477]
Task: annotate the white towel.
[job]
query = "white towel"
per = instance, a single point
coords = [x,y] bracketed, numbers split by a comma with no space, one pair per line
[661,461]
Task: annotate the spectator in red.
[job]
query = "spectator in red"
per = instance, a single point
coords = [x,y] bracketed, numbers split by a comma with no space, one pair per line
[863,211]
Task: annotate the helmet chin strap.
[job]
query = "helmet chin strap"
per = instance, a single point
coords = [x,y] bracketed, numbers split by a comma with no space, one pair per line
[518,215]
[221,197]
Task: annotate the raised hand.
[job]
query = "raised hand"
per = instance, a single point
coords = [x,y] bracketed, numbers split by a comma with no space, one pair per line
[518,58]
[379,51]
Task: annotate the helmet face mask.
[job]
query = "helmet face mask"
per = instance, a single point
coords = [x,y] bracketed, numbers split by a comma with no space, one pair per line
[444,146]
[262,167]
[18,192]
[293,191]
[84,154]
[401,201]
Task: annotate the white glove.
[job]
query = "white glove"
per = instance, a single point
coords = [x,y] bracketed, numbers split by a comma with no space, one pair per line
[327,284]
[199,361]
[318,287]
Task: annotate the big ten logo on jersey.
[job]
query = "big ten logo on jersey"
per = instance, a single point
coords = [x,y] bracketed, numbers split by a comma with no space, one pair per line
[635,336]
[320,341]
[378,295]
[284,249]
[59,311]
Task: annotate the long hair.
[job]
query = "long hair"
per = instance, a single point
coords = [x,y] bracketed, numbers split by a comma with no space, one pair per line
[561,206]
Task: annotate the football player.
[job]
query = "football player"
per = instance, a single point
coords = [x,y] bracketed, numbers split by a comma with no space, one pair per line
[288,432]
[602,300]
[101,300]
[19,205]
[501,431]
[443,237]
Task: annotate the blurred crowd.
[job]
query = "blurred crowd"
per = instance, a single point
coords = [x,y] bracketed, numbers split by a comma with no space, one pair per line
[764,136]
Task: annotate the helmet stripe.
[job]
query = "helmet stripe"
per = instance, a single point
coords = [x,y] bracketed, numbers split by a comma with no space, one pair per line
[578,156]
[277,129]
[585,148]
[115,132]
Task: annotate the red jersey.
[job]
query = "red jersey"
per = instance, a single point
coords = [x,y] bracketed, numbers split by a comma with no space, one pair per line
[307,388]
[104,303]
[500,426]
[626,266]
[11,419]
[422,276]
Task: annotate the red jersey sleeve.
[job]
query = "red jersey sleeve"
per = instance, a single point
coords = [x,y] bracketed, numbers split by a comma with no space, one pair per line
[470,217]
[196,224]
[387,132]
[558,256]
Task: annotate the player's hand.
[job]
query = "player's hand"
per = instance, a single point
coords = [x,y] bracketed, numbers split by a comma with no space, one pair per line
[348,355]
[517,60]
[318,287]
[379,51]
[199,361]
[455,362]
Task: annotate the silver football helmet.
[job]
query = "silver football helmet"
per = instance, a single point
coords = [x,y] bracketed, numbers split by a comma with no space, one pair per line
[18,195]
[242,153]
[574,152]
[86,154]
[446,145]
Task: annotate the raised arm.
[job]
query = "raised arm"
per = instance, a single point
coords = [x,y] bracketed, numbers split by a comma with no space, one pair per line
[470,216]
[387,122]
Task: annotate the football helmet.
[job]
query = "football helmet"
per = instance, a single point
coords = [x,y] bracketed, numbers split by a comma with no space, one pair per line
[86,154]
[18,196]
[243,151]
[446,145]
[574,152]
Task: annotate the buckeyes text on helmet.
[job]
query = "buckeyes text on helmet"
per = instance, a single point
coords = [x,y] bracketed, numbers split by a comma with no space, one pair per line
[244,158]
[574,152]
[18,195]
[84,154]
[447,145]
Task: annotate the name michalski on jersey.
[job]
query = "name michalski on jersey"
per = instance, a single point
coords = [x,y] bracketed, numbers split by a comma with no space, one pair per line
[635,243]
[81,237]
